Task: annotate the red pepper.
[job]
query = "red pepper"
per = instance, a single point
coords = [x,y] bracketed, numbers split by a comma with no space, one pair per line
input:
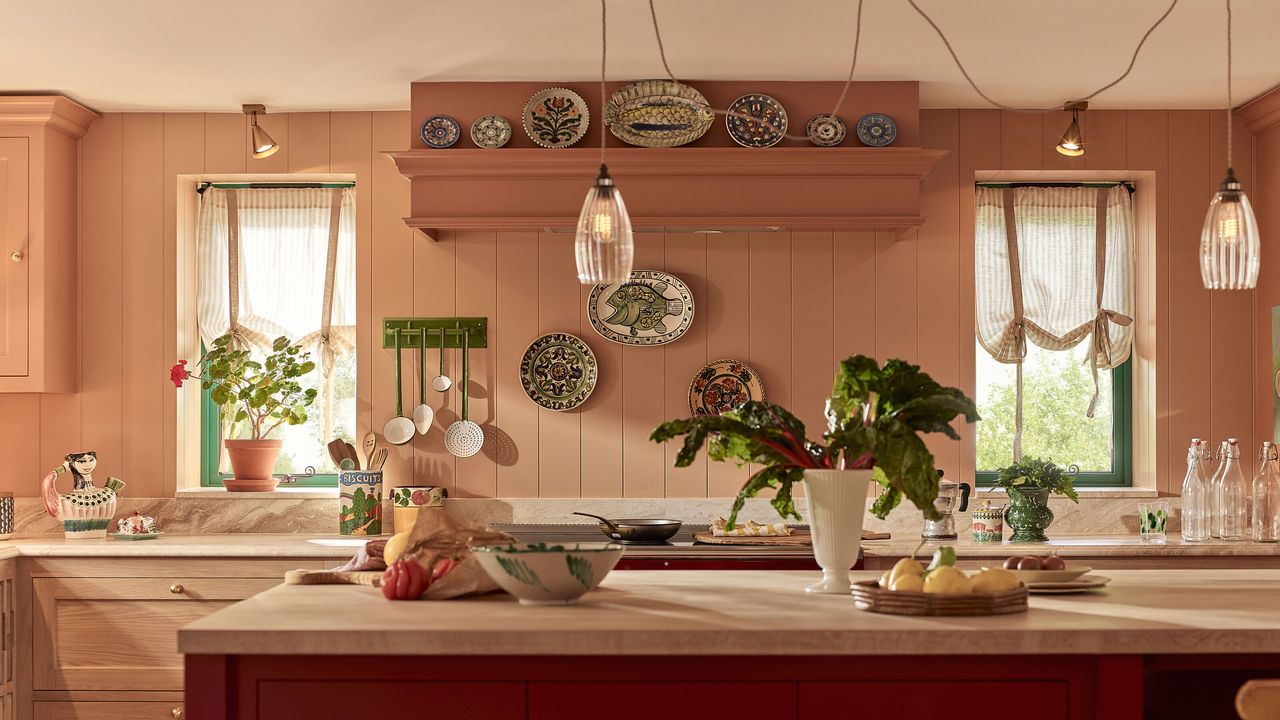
[442,568]
[404,580]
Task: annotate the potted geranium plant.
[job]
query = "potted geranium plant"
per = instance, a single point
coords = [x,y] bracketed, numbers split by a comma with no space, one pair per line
[874,420]
[256,396]
[1029,482]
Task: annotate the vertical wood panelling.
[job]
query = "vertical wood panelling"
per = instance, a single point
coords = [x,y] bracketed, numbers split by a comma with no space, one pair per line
[226,143]
[309,142]
[896,279]
[517,417]
[686,258]
[1021,141]
[727,332]
[351,151]
[142,260]
[643,383]
[1105,140]
[559,433]
[602,413]
[20,443]
[476,293]
[813,354]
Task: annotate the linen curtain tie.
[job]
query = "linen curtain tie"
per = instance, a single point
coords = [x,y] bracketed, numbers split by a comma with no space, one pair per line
[324,344]
[1101,330]
[1018,325]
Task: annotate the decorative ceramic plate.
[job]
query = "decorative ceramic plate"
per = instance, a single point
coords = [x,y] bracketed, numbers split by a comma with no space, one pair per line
[1040,577]
[558,371]
[658,113]
[651,308]
[556,117]
[490,131]
[722,386]
[440,131]
[825,130]
[135,536]
[876,130]
[765,126]
[1084,584]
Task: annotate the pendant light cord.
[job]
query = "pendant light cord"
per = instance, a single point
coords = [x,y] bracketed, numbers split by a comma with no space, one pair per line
[604,58]
[1229,118]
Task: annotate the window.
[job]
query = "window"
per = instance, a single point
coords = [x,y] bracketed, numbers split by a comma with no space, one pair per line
[292,249]
[1054,298]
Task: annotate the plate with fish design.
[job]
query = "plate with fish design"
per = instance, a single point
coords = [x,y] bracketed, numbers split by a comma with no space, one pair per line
[558,371]
[765,124]
[722,386]
[650,308]
[658,113]
[556,117]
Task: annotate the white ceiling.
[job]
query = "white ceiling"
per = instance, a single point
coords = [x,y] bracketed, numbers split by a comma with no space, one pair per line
[352,54]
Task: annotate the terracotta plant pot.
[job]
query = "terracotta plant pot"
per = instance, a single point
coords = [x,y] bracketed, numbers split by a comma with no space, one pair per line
[252,462]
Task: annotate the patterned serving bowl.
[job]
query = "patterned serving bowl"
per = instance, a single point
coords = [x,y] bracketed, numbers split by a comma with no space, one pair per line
[543,574]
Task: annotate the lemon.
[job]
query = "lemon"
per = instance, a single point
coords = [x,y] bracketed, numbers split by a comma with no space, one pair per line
[884,579]
[905,566]
[994,580]
[947,580]
[395,548]
[908,583]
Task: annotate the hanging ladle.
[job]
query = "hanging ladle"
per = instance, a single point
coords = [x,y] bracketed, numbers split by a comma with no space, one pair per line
[399,429]
[423,414]
[441,382]
[464,438]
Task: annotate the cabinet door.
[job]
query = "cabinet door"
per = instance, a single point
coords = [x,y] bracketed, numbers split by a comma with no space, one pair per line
[108,710]
[122,633]
[14,276]
[8,653]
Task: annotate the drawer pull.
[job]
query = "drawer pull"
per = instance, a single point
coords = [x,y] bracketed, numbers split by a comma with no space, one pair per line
[176,713]
[177,589]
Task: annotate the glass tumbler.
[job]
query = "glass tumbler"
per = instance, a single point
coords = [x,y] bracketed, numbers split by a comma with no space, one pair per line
[1152,518]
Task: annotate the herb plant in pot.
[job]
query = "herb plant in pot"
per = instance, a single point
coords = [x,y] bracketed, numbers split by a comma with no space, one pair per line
[1029,482]
[254,398]
[875,417]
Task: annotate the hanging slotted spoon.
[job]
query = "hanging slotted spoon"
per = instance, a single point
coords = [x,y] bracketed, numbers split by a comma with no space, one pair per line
[464,438]
[423,414]
[441,382]
[399,429]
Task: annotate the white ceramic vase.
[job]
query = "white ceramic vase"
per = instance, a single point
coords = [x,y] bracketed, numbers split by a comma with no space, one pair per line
[837,506]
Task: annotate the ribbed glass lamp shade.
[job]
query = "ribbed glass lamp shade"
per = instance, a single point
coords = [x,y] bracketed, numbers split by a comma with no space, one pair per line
[1229,244]
[604,245]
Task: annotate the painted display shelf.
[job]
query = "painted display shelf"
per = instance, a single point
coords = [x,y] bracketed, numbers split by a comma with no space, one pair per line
[691,189]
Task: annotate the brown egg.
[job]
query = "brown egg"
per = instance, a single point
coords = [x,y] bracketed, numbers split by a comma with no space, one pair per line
[1053,562]
[1030,563]
[1012,563]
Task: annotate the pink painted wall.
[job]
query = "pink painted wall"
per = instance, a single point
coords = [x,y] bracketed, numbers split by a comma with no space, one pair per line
[766,298]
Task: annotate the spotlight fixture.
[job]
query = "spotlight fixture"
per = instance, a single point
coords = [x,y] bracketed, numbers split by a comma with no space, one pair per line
[1072,142]
[260,143]
[1229,242]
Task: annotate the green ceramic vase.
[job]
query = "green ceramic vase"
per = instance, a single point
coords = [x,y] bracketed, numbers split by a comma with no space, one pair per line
[1029,514]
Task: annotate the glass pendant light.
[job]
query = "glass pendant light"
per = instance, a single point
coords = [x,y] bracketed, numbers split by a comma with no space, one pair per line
[604,244]
[1229,242]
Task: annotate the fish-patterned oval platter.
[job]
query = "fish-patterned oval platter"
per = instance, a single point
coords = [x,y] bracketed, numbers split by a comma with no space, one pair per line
[765,124]
[558,371]
[722,386]
[658,113]
[650,308]
[556,117]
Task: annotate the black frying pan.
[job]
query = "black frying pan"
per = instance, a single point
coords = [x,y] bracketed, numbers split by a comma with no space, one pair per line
[637,531]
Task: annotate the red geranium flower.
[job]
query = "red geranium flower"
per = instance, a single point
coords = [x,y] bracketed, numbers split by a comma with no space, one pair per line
[178,373]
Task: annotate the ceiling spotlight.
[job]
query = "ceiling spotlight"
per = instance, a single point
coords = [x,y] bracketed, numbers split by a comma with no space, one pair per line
[260,143]
[1072,142]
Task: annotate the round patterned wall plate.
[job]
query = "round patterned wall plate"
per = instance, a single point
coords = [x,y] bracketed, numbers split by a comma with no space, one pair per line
[876,130]
[440,131]
[722,386]
[558,371]
[658,113]
[825,130]
[490,131]
[766,125]
[651,308]
[556,117]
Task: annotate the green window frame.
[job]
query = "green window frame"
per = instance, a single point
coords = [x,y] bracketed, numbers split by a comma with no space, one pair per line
[1121,473]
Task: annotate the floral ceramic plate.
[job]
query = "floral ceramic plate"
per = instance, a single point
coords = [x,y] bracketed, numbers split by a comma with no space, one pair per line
[658,113]
[651,308]
[765,125]
[556,117]
[558,371]
[440,131]
[876,130]
[490,131]
[722,386]
[825,130]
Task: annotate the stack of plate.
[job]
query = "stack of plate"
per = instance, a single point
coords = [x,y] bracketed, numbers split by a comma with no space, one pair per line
[1071,579]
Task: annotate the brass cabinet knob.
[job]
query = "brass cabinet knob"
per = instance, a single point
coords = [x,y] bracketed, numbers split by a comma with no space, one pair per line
[177,589]
[176,713]
[16,256]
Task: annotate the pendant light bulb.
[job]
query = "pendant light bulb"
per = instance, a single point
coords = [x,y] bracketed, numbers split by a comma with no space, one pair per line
[1072,142]
[261,144]
[604,244]
[1229,241]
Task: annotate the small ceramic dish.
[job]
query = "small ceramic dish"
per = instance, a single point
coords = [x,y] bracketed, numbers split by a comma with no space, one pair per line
[1082,584]
[135,536]
[1035,577]
[542,574]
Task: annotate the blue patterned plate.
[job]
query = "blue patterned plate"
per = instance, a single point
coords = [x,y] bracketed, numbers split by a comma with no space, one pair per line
[440,131]
[558,371]
[765,124]
[876,130]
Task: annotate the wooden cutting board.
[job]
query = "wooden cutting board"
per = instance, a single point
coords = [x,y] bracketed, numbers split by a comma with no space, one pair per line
[333,577]
[795,539]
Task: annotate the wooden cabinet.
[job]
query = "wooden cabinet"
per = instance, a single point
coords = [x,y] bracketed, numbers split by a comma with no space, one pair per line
[38,267]
[109,710]
[8,642]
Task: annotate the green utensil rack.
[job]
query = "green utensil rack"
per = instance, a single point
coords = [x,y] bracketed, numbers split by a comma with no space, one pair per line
[410,329]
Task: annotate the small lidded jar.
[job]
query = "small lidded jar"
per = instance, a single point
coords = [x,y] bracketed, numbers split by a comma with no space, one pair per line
[988,523]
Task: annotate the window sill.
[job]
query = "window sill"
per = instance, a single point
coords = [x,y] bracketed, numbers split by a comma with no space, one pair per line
[290,493]
[1086,492]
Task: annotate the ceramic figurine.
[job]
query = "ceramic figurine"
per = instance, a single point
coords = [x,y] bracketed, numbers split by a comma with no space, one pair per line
[86,511]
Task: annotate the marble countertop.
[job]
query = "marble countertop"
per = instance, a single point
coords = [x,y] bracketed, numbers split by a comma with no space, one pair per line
[744,611]
[1077,546]
[224,545]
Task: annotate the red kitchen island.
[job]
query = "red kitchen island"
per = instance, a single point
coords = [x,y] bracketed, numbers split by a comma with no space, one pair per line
[646,644]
